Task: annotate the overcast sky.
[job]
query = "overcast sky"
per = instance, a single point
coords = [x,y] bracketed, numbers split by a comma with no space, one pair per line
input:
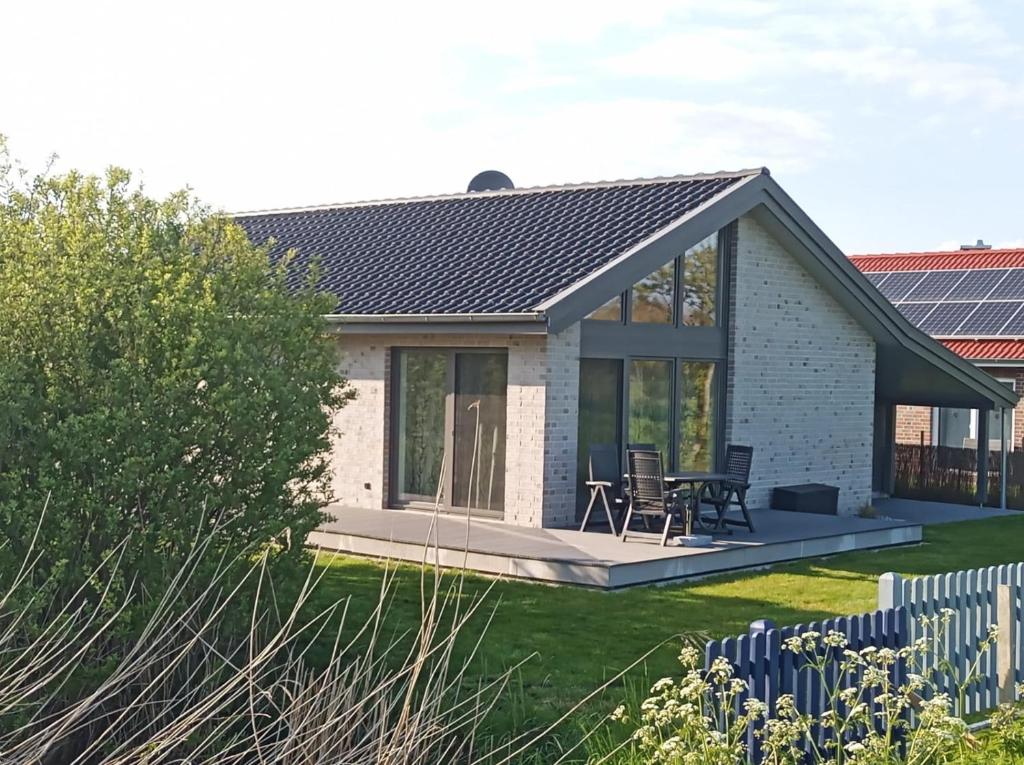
[896,124]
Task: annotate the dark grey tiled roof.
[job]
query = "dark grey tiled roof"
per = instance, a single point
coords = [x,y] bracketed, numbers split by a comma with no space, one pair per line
[492,252]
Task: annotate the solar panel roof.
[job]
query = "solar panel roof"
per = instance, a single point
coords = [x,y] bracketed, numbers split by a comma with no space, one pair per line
[957,302]
[935,285]
[989,317]
[945,318]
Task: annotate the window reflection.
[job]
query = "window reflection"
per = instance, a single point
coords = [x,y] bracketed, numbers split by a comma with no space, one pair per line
[700,283]
[652,297]
[650,403]
[696,415]
[610,311]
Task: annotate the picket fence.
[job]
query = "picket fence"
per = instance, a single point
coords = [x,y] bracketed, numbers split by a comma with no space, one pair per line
[978,598]
[770,671]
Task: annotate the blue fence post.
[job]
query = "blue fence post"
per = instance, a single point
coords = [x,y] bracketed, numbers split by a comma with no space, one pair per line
[764,679]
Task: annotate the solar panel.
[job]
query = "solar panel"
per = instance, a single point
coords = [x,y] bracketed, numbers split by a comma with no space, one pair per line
[915,312]
[946,317]
[977,284]
[989,318]
[1010,288]
[1014,327]
[899,284]
[876,276]
[935,285]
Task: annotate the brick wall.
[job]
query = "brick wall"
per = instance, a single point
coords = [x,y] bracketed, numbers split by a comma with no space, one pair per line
[801,376]
[1017,375]
[542,410]
[911,422]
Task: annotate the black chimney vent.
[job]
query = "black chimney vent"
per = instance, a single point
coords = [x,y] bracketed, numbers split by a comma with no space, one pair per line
[979,246]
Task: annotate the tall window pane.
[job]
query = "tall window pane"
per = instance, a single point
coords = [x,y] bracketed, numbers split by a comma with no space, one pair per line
[700,283]
[423,384]
[697,437]
[610,311]
[652,297]
[650,404]
[600,414]
[478,480]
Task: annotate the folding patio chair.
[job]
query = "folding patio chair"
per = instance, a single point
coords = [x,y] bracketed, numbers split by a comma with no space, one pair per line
[647,495]
[605,484]
[733,491]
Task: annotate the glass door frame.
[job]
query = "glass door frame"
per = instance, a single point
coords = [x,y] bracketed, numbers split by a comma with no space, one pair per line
[395,500]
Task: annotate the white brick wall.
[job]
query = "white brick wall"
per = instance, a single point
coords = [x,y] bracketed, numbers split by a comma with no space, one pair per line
[801,376]
[540,457]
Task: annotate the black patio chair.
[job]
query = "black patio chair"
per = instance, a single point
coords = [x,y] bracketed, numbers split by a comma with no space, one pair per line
[731,492]
[605,483]
[648,498]
[640,447]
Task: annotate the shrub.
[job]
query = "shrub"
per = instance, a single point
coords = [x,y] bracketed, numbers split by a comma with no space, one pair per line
[161,384]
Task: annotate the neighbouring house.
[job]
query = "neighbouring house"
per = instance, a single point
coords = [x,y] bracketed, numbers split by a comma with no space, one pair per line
[493,336]
[972,301]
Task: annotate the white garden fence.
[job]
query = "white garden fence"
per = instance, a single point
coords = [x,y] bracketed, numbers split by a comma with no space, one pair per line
[978,599]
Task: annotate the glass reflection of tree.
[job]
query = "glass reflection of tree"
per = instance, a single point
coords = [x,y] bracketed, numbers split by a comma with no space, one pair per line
[696,420]
[424,382]
[652,297]
[650,407]
[700,272]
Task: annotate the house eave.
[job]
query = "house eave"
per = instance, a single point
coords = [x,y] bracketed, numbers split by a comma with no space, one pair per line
[530,323]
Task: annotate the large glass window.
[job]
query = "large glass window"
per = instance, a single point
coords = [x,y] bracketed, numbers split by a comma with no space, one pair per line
[650,403]
[600,420]
[610,311]
[697,438]
[700,283]
[652,298]
[449,428]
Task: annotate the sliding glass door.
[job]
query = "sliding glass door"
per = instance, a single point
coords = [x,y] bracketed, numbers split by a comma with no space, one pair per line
[420,431]
[479,465]
[672,403]
[448,429]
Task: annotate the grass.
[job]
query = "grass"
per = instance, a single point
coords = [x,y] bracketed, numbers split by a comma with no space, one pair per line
[572,640]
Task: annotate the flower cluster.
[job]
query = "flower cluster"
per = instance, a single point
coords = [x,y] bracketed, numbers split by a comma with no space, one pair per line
[873,714]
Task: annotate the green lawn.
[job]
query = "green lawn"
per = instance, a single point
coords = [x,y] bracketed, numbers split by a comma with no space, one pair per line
[579,638]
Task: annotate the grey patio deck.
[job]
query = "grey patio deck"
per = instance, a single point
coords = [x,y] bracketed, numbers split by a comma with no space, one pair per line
[600,560]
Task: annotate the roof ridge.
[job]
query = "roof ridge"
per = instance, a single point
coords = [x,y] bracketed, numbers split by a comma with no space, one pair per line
[932,253]
[509,192]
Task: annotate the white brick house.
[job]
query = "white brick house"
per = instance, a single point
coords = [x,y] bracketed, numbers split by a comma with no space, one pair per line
[492,337]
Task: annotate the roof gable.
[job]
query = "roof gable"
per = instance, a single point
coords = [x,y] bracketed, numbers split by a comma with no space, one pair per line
[505,252]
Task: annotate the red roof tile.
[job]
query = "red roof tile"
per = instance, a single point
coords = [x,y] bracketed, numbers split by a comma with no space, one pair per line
[987,349]
[939,261]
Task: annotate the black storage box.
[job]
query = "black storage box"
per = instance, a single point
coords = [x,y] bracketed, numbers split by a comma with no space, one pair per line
[807,498]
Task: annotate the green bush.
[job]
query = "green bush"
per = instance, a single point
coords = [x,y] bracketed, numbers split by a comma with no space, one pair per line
[159,383]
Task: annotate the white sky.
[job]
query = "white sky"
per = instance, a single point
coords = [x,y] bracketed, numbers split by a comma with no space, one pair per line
[895,123]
